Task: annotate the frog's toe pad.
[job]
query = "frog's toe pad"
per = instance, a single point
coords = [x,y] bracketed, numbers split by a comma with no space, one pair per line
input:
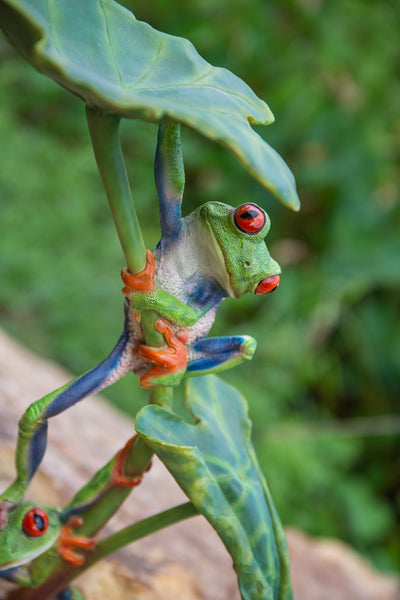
[68,541]
[248,347]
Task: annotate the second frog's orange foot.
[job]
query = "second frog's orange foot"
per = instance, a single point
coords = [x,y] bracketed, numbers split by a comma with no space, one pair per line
[68,541]
[171,359]
[117,476]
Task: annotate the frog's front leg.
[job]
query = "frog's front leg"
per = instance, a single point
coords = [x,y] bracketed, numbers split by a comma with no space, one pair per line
[210,355]
[143,295]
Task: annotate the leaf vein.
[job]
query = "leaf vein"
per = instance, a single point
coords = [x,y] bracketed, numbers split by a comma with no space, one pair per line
[194,84]
[148,73]
[121,79]
[50,6]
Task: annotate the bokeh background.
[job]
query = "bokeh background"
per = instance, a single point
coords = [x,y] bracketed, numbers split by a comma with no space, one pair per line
[324,386]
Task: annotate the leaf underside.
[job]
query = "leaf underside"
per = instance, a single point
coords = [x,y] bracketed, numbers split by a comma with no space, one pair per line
[214,462]
[98,50]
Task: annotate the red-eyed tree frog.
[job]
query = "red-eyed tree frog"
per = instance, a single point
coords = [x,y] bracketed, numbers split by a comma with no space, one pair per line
[215,252]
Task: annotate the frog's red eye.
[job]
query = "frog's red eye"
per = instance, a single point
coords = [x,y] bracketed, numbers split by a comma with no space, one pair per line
[249,218]
[35,523]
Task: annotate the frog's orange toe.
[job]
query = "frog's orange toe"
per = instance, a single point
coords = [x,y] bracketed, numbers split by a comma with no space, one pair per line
[68,541]
[168,359]
[117,476]
[139,282]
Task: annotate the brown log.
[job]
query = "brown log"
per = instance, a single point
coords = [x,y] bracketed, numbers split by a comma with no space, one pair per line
[184,562]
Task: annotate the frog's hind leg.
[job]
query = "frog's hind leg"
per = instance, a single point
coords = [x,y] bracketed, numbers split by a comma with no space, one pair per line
[32,429]
[170,178]
[70,593]
[210,355]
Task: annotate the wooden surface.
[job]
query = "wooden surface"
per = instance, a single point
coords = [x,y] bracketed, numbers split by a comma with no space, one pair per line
[184,562]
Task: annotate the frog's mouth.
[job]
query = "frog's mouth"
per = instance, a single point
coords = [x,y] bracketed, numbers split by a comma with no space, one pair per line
[19,562]
[268,285]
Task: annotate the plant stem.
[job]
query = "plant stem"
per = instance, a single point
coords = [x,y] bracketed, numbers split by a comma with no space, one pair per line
[140,529]
[104,133]
[162,396]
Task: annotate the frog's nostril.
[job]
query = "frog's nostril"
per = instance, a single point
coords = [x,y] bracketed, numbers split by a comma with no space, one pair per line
[268,285]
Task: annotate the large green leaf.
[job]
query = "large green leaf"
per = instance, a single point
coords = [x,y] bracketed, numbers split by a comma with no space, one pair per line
[99,51]
[213,461]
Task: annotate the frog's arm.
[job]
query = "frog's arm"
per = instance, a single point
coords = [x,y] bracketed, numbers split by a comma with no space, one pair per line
[32,429]
[170,178]
[211,355]
[143,295]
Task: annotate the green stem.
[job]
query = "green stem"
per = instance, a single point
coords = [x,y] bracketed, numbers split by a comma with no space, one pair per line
[162,396]
[151,335]
[104,133]
[140,529]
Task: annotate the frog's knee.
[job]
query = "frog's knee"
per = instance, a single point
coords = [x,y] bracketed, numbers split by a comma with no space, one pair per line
[31,420]
[248,347]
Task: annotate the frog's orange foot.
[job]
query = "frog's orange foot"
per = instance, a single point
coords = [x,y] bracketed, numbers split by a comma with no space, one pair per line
[165,328]
[68,541]
[117,475]
[166,361]
[139,282]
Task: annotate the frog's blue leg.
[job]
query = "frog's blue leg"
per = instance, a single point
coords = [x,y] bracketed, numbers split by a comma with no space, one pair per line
[210,355]
[70,593]
[10,574]
[32,432]
[170,178]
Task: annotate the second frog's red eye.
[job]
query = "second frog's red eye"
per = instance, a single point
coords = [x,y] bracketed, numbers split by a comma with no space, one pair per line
[249,218]
[35,523]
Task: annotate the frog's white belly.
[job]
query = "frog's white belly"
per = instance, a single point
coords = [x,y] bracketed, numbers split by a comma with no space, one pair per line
[202,326]
[172,277]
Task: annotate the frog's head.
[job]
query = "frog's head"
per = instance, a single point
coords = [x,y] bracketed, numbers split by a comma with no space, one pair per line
[27,531]
[239,235]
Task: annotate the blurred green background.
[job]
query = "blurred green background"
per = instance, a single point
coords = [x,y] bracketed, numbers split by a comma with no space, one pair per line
[324,386]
